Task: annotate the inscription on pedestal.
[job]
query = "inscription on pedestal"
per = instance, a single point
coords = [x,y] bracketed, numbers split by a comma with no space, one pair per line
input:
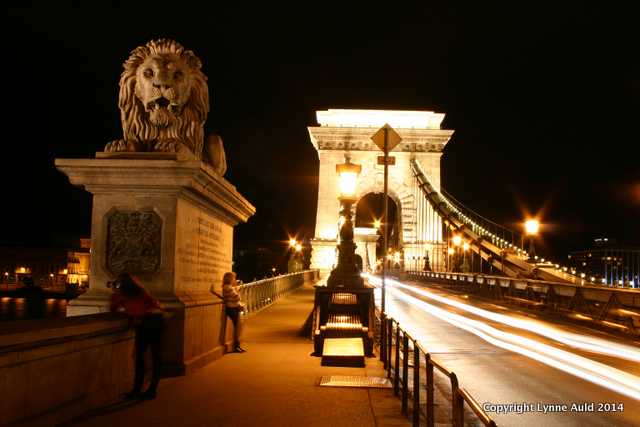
[203,251]
[211,255]
[133,242]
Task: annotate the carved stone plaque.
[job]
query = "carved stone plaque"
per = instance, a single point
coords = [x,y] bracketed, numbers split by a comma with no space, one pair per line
[133,242]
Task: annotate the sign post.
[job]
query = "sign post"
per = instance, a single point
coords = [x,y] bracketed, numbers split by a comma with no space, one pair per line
[386,138]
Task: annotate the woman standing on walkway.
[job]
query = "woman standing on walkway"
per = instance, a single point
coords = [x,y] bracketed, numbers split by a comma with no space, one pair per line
[232,306]
[145,314]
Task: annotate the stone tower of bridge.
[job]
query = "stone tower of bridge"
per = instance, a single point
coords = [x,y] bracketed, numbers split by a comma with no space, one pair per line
[348,133]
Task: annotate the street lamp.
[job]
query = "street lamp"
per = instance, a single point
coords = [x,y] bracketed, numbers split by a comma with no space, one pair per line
[449,253]
[457,241]
[465,266]
[346,273]
[531,227]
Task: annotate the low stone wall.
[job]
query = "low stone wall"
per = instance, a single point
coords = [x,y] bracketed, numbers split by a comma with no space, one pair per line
[52,370]
[55,369]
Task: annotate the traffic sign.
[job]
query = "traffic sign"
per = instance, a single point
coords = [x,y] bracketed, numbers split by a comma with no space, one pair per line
[393,138]
[391,161]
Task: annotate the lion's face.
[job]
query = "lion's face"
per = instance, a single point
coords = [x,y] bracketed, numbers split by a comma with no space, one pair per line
[163,87]
[163,99]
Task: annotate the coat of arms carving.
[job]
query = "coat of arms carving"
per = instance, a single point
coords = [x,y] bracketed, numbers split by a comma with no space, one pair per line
[134,242]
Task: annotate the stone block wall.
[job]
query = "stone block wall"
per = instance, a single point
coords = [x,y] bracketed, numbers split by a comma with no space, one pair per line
[54,369]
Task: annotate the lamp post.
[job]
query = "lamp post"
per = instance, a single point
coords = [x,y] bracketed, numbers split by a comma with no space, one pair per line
[346,273]
[457,241]
[465,266]
[531,227]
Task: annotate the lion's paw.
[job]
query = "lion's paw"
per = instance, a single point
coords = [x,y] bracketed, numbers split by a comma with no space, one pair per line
[166,146]
[117,145]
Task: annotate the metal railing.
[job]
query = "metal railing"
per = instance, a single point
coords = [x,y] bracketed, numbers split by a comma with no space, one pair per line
[610,307]
[397,349]
[262,293]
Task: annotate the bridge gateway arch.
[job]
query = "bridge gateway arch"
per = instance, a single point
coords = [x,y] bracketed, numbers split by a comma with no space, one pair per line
[347,133]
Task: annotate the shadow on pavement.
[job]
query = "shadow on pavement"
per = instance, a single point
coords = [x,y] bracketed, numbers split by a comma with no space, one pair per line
[103,410]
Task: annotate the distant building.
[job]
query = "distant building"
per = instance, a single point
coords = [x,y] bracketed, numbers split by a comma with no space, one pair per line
[608,262]
[46,267]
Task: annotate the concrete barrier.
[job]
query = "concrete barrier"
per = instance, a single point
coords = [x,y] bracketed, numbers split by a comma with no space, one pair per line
[54,369]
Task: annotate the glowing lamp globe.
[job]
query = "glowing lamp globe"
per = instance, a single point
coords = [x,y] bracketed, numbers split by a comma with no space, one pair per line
[348,178]
[532,226]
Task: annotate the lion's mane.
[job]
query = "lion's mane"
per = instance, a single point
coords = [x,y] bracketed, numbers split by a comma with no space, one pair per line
[188,128]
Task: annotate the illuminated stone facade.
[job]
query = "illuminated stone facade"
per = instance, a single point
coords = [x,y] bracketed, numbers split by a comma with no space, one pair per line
[348,133]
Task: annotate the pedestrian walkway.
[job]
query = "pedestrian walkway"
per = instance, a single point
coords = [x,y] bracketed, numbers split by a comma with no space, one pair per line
[275,383]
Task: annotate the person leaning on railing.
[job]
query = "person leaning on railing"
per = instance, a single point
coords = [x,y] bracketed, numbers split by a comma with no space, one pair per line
[232,305]
[146,315]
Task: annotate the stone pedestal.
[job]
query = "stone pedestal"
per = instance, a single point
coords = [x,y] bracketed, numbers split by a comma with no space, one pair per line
[170,222]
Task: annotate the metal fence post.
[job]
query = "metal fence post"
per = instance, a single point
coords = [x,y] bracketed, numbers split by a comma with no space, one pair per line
[396,377]
[383,341]
[416,384]
[457,403]
[389,336]
[429,385]
[405,372]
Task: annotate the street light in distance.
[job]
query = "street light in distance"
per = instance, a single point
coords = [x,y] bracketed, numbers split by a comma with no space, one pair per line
[531,227]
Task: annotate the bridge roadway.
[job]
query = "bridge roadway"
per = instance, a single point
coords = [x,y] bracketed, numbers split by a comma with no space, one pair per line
[273,384]
[496,375]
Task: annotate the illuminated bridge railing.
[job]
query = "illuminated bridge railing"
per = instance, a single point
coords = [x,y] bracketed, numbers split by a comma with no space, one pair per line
[262,293]
[610,307]
[404,355]
[450,210]
[479,223]
[492,248]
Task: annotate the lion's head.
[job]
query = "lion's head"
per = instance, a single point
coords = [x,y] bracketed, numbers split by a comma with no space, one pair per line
[163,97]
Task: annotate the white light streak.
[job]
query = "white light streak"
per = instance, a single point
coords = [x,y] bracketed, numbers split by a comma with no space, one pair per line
[579,366]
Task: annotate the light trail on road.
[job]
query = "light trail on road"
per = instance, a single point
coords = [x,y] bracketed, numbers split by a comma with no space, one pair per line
[593,344]
[576,365]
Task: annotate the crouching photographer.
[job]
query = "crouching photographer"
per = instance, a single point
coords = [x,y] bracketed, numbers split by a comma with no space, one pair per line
[145,314]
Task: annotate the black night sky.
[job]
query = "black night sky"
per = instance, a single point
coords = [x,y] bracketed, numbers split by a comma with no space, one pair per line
[544,99]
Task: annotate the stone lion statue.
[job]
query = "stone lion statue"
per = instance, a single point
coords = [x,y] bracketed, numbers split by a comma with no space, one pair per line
[164,103]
